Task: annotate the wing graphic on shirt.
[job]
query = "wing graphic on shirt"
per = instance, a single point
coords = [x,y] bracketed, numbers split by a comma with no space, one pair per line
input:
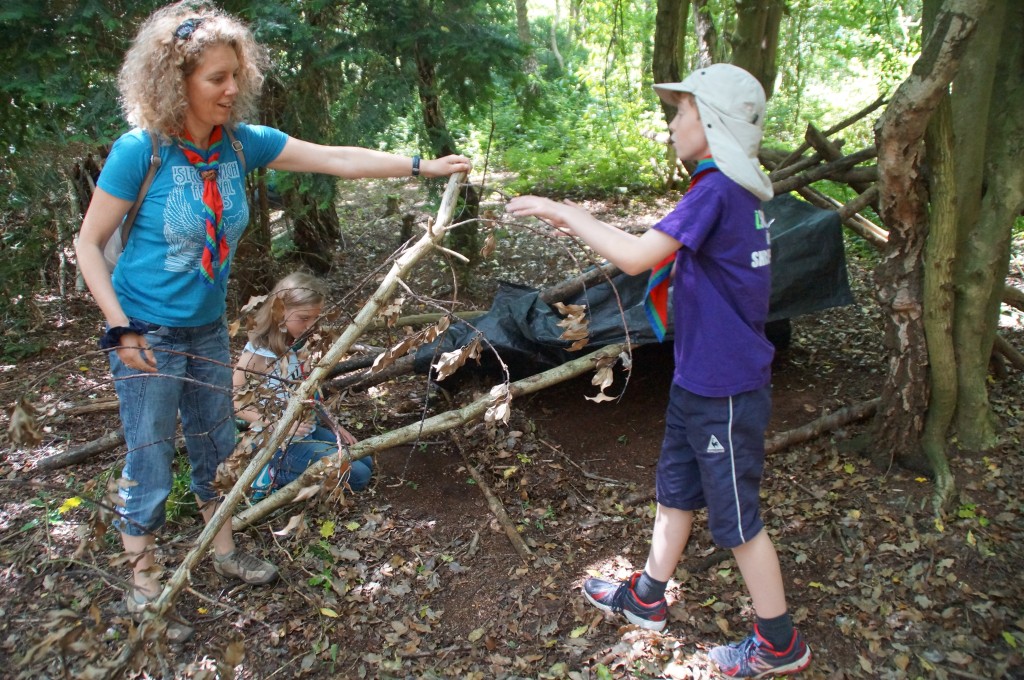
[182,230]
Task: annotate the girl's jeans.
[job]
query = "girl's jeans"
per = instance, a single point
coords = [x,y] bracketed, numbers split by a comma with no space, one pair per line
[193,379]
[300,454]
[287,464]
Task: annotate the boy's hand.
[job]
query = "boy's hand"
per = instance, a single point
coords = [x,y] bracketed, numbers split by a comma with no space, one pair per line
[134,351]
[558,215]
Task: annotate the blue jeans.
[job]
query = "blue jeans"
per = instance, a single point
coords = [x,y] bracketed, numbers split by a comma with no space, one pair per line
[193,380]
[291,462]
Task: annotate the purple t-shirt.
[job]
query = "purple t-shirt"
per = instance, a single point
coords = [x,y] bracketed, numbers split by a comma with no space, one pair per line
[721,287]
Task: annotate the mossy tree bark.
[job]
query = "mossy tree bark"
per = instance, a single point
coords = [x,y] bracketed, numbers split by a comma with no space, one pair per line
[989,128]
[940,256]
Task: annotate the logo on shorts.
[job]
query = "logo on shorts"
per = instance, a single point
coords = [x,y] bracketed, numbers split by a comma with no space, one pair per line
[715,446]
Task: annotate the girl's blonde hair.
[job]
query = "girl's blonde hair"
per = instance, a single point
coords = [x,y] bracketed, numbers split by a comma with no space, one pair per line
[298,289]
[164,53]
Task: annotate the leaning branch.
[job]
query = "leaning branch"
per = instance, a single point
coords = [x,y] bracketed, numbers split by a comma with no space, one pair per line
[297,403]
[826,171]
[493,502]
[410,433]
[841,125]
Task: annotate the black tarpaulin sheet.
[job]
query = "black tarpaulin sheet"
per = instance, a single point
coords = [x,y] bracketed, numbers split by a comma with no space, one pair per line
[808,275]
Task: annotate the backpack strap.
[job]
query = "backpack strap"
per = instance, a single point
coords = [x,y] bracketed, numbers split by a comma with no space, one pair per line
[237,146]
[154,165]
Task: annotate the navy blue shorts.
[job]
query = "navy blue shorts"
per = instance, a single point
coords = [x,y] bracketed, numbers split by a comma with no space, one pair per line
[713,457]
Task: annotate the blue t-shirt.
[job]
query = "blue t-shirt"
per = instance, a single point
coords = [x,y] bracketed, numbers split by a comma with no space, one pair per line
[289,369]
[721,288]
[157,277]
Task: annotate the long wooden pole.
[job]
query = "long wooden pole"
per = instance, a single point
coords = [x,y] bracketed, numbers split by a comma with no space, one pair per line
[296,404]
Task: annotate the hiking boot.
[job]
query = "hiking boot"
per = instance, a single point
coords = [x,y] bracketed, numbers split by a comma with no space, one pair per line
[245,567]
[756,658]
[178,630]
[619,597]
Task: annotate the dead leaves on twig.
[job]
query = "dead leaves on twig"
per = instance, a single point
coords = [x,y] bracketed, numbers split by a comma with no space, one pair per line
[604,375]
[449,362]
[23,428]
[409,343]
[576,325]
[501,406]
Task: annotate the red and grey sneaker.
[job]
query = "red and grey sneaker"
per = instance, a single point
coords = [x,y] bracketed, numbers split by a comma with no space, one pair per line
[755,657]
[619,597]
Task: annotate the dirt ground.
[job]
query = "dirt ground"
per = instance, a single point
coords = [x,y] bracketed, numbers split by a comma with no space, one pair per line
[416,577]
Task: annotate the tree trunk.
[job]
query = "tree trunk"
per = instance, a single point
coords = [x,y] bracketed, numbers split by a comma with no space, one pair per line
[669,23]
[310,94]
[989,198]
[940,255]
[903,202]
[463,238]
[523,30]
[705,33]
[757,39]
[315,227]
[669,32]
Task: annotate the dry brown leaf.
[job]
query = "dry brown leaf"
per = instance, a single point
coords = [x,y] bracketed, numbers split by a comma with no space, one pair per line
[289,528]
[490,245]
[449,362]
[23,428]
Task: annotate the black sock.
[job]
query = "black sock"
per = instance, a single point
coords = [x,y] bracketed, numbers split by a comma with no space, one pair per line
[649,590]
[777,631]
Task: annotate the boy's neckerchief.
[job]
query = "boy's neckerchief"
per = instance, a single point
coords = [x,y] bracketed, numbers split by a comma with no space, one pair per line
[656,297]
[216,249]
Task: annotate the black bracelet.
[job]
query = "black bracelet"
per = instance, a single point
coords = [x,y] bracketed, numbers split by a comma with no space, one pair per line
[415,166]
[112,338]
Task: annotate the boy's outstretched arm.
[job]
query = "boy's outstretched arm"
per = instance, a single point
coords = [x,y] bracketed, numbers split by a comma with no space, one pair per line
[630,253]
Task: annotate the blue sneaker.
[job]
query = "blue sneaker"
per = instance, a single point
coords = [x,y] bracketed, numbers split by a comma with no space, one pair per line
[619,597]
[263,484]
[756,658]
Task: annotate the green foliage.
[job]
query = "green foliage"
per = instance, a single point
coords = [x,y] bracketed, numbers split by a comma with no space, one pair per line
[835,57]
[35,206]
[353,73]
[181,503]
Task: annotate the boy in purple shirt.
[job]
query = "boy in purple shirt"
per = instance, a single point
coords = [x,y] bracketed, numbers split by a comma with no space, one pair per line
[720,403]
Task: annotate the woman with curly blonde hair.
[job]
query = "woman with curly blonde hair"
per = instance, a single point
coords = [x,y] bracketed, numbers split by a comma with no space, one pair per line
[191,76]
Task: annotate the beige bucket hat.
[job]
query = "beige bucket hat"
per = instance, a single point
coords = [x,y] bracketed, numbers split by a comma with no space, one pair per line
[731,103]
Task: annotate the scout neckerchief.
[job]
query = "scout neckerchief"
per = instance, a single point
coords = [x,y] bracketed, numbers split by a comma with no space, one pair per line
[656,297]
[216,249]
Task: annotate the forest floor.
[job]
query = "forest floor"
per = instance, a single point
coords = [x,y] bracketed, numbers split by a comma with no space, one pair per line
[415,577]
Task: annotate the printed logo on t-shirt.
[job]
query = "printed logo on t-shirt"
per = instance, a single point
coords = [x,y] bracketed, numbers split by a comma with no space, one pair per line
[185,215]
[762,258]
[715,446]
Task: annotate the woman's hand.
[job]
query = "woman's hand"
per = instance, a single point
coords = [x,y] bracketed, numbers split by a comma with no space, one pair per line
[135,353]
[445,167]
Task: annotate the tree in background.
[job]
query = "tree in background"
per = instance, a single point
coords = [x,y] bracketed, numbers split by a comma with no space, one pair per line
[58,107]
[306,39]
